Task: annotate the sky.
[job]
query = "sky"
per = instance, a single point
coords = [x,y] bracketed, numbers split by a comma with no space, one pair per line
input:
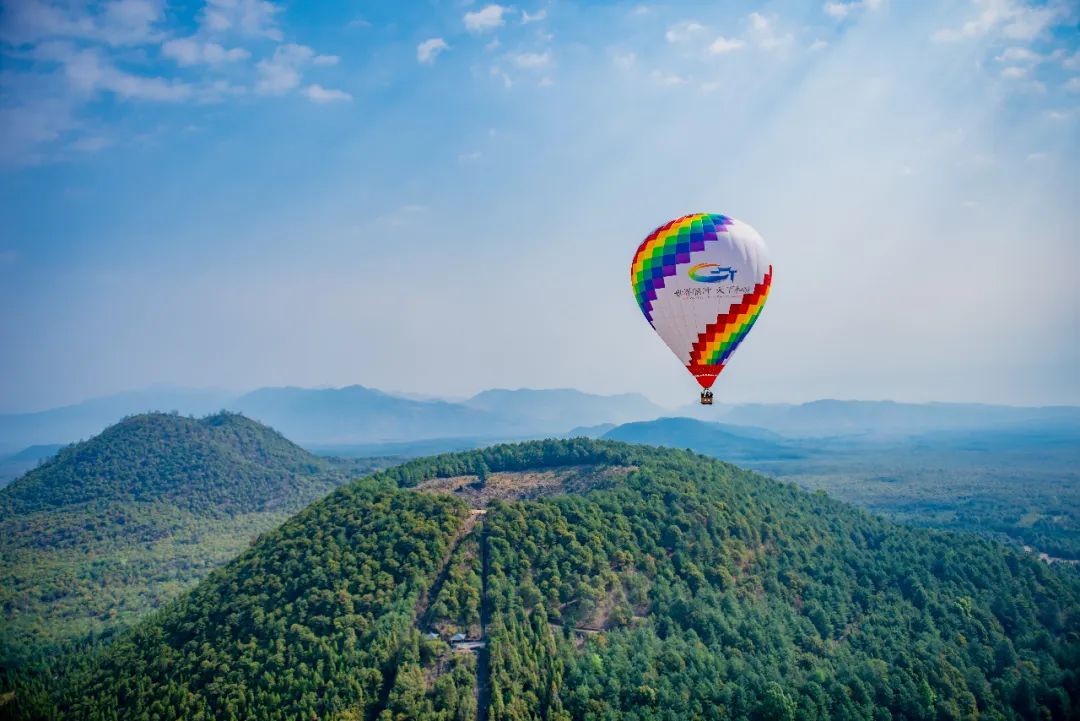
[441,197]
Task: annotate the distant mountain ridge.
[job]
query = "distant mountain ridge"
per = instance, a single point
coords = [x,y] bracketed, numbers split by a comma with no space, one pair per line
[831,417]
[349,415]
[357,415]
[736,443]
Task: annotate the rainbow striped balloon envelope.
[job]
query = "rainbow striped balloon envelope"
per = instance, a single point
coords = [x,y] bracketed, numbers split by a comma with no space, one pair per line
[701,281]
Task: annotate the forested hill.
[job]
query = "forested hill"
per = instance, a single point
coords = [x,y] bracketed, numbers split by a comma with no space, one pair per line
[599,581]
[119,524]
[223,463]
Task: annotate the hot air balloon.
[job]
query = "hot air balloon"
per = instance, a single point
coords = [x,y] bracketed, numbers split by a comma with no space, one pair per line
[701,281]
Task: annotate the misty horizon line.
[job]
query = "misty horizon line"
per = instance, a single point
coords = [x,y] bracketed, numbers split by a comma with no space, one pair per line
[420,396]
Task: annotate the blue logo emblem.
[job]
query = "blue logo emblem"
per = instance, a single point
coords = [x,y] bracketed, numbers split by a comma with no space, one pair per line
[711,273]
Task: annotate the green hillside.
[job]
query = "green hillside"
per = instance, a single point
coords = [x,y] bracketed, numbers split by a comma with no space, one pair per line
[600,581]
[115,526]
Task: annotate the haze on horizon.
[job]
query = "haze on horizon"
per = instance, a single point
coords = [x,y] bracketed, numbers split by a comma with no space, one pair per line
[444,197]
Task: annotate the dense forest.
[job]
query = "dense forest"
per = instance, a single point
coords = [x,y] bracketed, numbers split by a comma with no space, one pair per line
[678,587]
[1015,483]
[113,527]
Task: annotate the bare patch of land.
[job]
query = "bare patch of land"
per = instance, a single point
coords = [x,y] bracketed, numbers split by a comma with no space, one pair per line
[524,485]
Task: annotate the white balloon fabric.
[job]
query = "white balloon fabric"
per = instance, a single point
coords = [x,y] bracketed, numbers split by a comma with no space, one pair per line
[701,282]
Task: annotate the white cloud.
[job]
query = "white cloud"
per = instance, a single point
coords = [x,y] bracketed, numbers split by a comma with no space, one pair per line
[193,51]
[840,10]
[758,22]
[683,31]
[1013,72]
[89,73]
[1073,84]
[497,72]
[130,21]
[670,79]
[325,60]
[118,22]
[725,45]
[91,144]
[470,157]
[427,51]
[281,72]
[765,35]
[624,60]
[247,17]
[485,20]
[1013,19]
[30,126]
[319,94]
[526,18]
[818,44]
[1018,55]
[531,61]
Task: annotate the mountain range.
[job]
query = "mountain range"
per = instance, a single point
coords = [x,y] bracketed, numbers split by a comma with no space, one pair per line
[343,419]
[343,416]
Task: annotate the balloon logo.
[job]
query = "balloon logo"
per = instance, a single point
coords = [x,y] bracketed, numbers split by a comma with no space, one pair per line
[711,273]
[701,282]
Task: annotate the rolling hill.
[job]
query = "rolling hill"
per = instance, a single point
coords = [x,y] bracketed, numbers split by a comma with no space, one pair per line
[78,421]
[1017,481]
[732,443]
[884,419]
[598,581]
[114,526]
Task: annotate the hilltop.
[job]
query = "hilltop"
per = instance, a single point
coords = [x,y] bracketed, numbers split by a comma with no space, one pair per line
[116,525]
[598,580]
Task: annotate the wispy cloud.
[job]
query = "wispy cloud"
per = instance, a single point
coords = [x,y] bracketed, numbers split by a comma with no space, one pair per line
[724,45]
[192,51]
[531,61]
[683,31]
[1012,19]
[282,72]
[319,94]
[427,51]
[90,144]
[668,78]
[536,17]
[91,72]
[119,22]
[841,10]
[246,17]
[765,34]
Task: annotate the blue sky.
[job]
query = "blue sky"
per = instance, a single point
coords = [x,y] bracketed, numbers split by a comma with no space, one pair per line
[441,197]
